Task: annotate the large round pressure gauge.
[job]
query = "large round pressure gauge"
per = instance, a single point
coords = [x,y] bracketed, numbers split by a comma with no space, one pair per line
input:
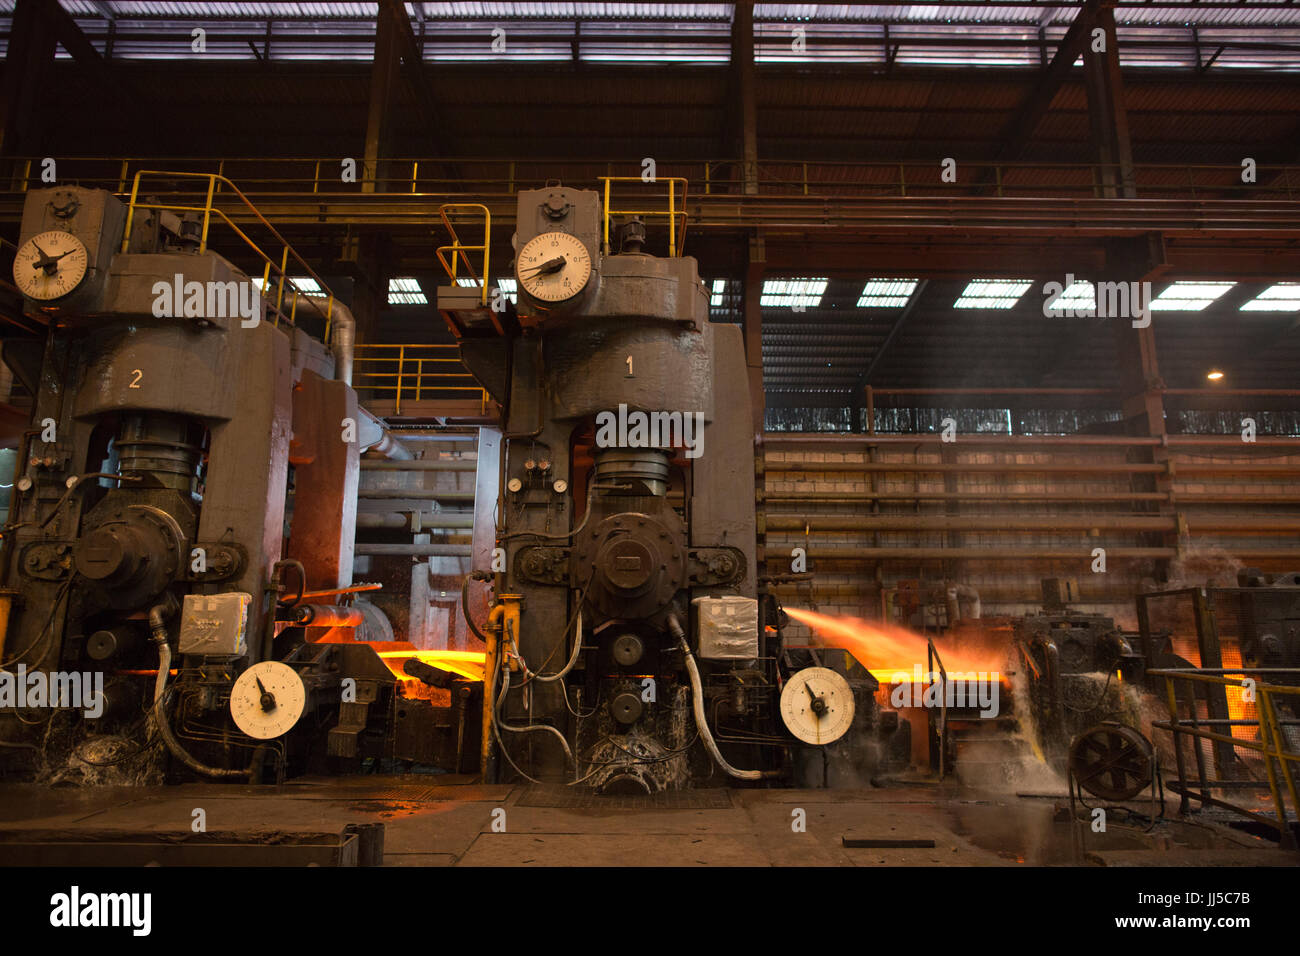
[267,700]
[50,265]
[553,267]
[817,705]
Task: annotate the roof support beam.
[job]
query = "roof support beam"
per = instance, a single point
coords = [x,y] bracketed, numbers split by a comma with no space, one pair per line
[395,45]
[1016,134]
[742,106]
[31,55]
[752,326]
[409,48]
[1106,113]
[38,26]
[383,77]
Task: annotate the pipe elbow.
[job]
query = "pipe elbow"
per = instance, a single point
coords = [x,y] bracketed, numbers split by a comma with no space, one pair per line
[158,615]
[343,338]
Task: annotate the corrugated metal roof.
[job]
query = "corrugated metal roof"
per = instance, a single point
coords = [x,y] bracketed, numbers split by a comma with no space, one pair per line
[1255,35]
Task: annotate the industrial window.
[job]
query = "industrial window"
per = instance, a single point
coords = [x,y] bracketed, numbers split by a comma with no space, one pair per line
[992,293]
[405,292]
[1189,296]
[886,293]
[306,285]
[792,293]
[303,284]
[507,287]
[1283,297]
[1078,297]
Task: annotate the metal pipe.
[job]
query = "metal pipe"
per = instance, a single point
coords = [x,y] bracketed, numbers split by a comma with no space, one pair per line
[420,464]
[844,498]
[390,447]
[414,494]
[414,520]
[327,615]
[416,550]
[797,591]
[409,433]
[969,596]
[986,523]
[383,443]
[1010,524]
[343,340]
[912,467]
[777,553]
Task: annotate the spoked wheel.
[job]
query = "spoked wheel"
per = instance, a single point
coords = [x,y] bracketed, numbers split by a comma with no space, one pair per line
[1112,761]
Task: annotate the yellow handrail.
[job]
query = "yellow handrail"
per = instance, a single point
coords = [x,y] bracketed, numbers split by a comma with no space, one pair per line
[208,209]
[459,249]
[676,238]
[1271,746]
[397,370]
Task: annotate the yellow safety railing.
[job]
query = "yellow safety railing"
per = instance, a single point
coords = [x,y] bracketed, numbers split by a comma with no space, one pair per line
[413,372]
[446,176]
[209,210]
[458,249]
[1272,744]
[676,233]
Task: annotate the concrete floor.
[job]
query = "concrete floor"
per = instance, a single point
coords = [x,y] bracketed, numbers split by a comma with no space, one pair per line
[444,821]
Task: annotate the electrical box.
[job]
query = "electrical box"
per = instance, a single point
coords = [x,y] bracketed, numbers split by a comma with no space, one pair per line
[728,628]
[1059,592]
[215,625]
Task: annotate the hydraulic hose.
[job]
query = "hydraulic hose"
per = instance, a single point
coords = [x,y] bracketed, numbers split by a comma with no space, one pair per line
[464,602]
[531,728]
[158,634]
[573,656]
[701,723]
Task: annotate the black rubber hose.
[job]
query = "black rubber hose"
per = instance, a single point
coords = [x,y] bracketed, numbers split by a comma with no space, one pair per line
[464,602]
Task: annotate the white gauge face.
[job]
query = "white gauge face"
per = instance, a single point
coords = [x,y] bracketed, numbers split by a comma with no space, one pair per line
[50,265]
[553,267]
[817,705]
[267,700]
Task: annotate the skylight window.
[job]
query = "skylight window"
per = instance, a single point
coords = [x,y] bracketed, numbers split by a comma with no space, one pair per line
[305,285]
[1077,297]
[992,293]
[886,293]
[1283,297]
[792,293]
[405,292]
[507,286]
[1189,296]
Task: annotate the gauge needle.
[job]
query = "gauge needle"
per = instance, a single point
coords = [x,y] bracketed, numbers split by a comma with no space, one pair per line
[546,268]
[48,262]
[818,705]
[268,699]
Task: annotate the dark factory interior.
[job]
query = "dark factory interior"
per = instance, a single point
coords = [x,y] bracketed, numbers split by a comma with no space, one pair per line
[650,434]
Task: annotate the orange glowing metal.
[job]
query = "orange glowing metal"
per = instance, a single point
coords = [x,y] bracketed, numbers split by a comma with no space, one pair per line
[468,664]
[889,651]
